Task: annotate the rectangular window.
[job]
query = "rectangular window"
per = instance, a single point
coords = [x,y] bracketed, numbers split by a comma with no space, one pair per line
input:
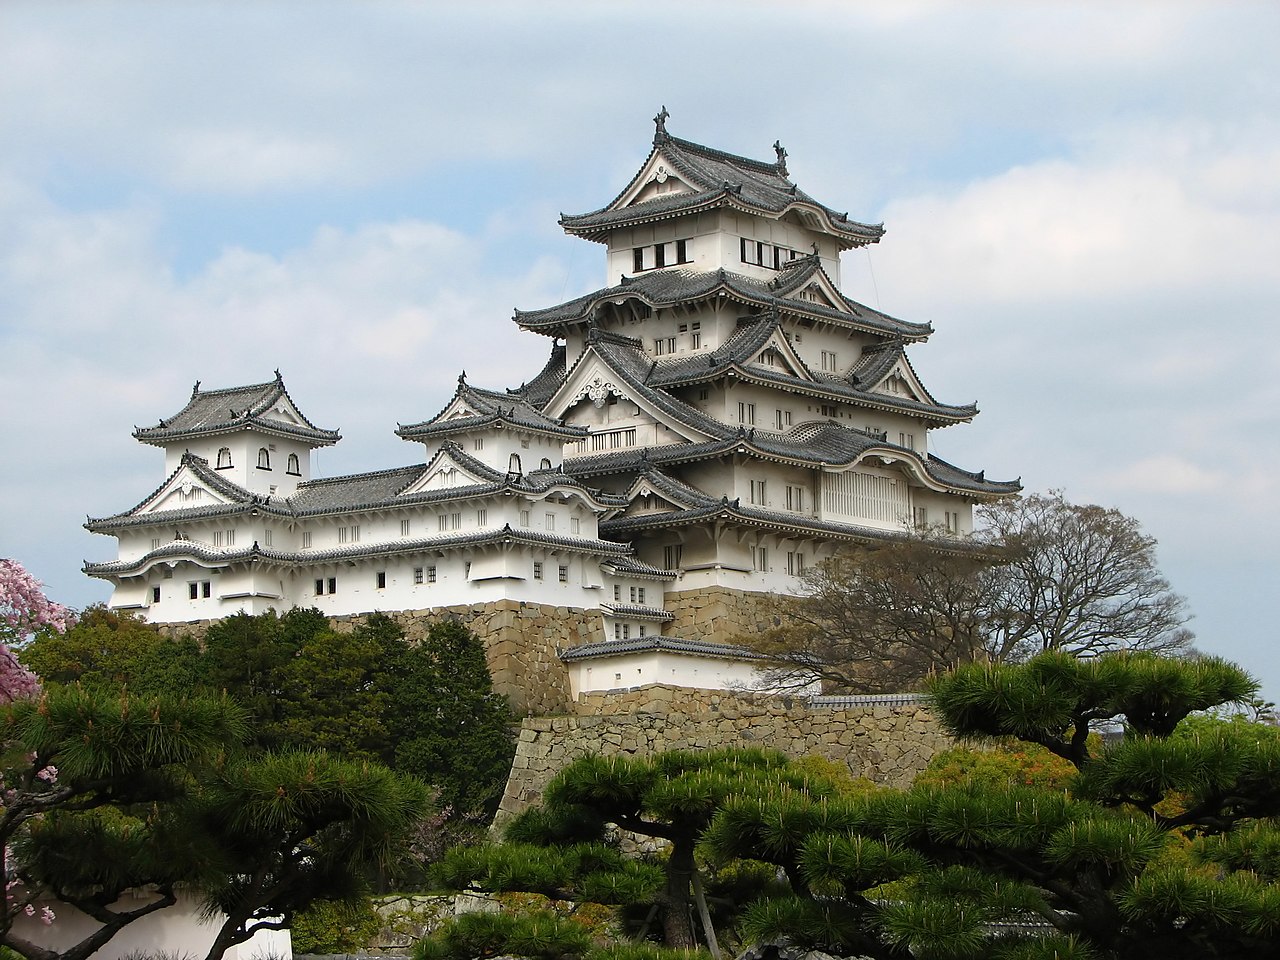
[195,590]
[827,409]
[747,413]
[380,580]
[758,491]
[921,517]
[640,593]
[417,575]
[306,540]
[637,259]
[660,255]
[206,588]
[682,251]
[444,522]
[575,525]
[683,328]
[617,631]
[267,537]
[795,499]
[704,393]
[671,557]
[795,564]
[659,347]
[696,343]
[333,584]
[633,594]
[349,534]
[319,588]
[626,631]
[760,559]
[155,594]
[550,521]
[405,527]
[482,517]
[952,520]
[455,521]
[155,543]
[479,444]
[829,361]
[431,574]
[564,573]
[641,630]
[537,569]
[524,518]
[617,593]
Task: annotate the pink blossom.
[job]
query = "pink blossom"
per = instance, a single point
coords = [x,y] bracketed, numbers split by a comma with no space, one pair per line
[47,916]
[24,609]
[29,910]
[48,774]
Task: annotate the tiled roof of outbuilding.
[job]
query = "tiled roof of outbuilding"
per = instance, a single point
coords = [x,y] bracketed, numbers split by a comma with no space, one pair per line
[719,179]
[632,567]
[664,288]
[235,408]
[617,648]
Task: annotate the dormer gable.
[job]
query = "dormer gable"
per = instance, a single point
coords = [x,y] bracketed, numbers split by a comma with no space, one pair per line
[819,291]
[778,354]
[448,469]
[192,486]
[655,180]
[902,382]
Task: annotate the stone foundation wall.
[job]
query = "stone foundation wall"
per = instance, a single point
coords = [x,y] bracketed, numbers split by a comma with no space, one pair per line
[717,614]
[885,744]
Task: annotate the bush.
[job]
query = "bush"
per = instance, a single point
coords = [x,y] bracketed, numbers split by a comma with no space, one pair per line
[335,926]
[538,936]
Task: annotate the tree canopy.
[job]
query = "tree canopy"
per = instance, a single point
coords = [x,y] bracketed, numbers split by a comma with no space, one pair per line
[1040,574]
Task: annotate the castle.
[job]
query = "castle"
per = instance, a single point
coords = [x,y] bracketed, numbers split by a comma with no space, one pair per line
[714,420]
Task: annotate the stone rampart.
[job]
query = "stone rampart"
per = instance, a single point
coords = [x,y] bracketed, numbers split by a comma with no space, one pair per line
[717,614]
[888,744]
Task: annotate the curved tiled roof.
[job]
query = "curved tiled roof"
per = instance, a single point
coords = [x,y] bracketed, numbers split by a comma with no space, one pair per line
[617,648]
[255,553]
[631,567]
[210,412]
[736,353]
[636,611]
[543,386]
[719,179]
[491,409]
[667,287]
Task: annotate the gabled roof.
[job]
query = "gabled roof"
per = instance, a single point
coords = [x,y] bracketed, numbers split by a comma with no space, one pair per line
[195,471]
[710,179]
[664,288]
[265,407]
[472,408]
[632,567]
[739,350]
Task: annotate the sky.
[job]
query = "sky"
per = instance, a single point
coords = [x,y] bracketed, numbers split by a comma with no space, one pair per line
[1082,198]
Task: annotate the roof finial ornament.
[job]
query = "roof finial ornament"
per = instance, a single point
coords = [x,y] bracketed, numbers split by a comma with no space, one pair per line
[194,391]
[781,151]
[462,377]
[814,245]
[660,125]
[279,379]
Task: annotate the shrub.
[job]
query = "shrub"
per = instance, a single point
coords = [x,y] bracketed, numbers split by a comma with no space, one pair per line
[335,926]
[538,936]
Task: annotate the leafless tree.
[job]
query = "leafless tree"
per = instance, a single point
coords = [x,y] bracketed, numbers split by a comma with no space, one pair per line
[1042,574]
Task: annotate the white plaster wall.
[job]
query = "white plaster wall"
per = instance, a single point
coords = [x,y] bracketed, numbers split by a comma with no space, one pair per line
[658,666]
[244,470]
[178,930]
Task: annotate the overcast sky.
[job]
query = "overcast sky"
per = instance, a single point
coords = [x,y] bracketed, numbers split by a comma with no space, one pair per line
[1082,198]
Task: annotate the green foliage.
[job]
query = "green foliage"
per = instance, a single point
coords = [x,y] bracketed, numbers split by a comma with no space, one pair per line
[1007,763]
[538,936]
[645,951]
[335,926]
[448,726]
[109,649]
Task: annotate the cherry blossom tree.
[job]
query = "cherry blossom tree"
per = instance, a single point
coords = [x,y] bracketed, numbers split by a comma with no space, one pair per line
[24,609]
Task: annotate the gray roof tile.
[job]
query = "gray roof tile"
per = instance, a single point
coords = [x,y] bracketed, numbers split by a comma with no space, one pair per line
[234,408]
[719,179]
[616,648]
